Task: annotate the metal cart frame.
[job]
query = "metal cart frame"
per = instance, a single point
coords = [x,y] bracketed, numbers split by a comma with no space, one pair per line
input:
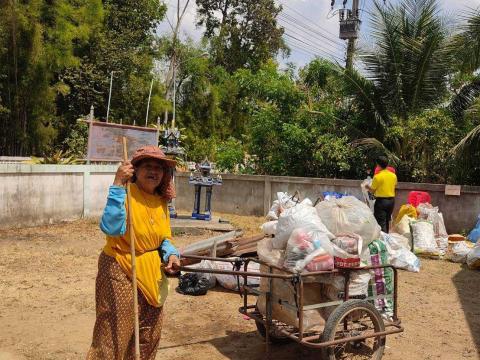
[299,334]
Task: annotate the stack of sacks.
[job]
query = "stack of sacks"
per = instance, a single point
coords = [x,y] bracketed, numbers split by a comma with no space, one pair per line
[428,212]
[381,283]
[284,201]
[349,215]
[301,241]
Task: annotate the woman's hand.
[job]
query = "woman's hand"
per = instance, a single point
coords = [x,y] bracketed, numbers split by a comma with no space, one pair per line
[173,264]
[124,173]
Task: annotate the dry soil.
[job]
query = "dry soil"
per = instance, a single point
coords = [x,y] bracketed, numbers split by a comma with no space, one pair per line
[47,305]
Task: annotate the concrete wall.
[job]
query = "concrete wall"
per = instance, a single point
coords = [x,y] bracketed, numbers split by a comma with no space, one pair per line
[41,194]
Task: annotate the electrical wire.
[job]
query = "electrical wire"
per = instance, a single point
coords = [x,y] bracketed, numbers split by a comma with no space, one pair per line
[313,43]
[299,25]
[312,46]
[300,31]
[306,18]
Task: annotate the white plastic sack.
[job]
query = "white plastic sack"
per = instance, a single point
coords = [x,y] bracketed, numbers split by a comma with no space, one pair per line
[284,201]
[366,194]
[348,214]
[473,257]
[442,244]
[359,283]
[267,253]
[308,245]
[302,215]
[432,214]
[270,227]
[424,237]
[399,241]
[230,281]
[399,254]
[458,252]
[406,260]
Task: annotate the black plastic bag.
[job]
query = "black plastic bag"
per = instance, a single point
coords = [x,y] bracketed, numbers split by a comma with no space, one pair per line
[192,284]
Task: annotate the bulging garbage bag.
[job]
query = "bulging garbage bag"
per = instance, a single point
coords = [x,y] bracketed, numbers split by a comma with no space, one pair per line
[309,248]
[399,252]
[303,214]
[192,284]
[349,214]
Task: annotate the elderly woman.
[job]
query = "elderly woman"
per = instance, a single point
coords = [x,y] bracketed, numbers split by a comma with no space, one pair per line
[113,336]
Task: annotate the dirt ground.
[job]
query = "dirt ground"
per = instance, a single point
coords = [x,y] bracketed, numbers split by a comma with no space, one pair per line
[47,305]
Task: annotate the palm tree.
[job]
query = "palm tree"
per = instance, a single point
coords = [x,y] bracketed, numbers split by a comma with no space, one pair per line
[467,45]
[405,70]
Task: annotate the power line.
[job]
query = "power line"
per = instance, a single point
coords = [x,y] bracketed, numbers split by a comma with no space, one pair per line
[314,40]
[308,19]
[309,28]
[310,33]
[291,43]
[313,43]
[302,50]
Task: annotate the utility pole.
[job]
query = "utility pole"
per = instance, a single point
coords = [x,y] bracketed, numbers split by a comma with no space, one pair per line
[351,42]
[349,28]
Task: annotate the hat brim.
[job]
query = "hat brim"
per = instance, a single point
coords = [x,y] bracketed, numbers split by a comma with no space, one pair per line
[169,162]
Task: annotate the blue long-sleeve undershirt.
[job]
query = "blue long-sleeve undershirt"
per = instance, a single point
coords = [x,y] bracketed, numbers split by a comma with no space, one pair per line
[114,220]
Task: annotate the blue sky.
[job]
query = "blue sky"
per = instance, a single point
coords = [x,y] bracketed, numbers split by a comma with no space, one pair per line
[311,28]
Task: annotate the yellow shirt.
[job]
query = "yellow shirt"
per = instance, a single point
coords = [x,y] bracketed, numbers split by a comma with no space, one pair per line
[384,183]
[151,279]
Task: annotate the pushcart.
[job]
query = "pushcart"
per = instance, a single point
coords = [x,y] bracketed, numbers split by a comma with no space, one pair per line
[355,329]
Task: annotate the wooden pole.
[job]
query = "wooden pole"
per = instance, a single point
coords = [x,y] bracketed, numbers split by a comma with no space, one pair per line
[132,253]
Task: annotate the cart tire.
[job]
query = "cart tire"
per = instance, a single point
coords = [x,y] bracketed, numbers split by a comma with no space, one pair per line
[353,311]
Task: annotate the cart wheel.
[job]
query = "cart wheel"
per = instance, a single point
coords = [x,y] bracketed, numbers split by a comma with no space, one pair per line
[354,318]
[275,336]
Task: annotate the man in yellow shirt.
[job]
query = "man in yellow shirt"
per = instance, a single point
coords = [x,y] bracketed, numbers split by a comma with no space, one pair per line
[383,187]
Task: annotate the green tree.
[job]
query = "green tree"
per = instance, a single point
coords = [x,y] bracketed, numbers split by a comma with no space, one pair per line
[37,41]
[126,44]
[242,33]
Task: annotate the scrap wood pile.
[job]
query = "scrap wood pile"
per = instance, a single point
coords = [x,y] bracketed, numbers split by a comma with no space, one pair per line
[232,243]
[229,246]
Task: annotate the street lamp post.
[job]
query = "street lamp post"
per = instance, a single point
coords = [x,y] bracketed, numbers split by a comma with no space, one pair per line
[148,103]
[109,94]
